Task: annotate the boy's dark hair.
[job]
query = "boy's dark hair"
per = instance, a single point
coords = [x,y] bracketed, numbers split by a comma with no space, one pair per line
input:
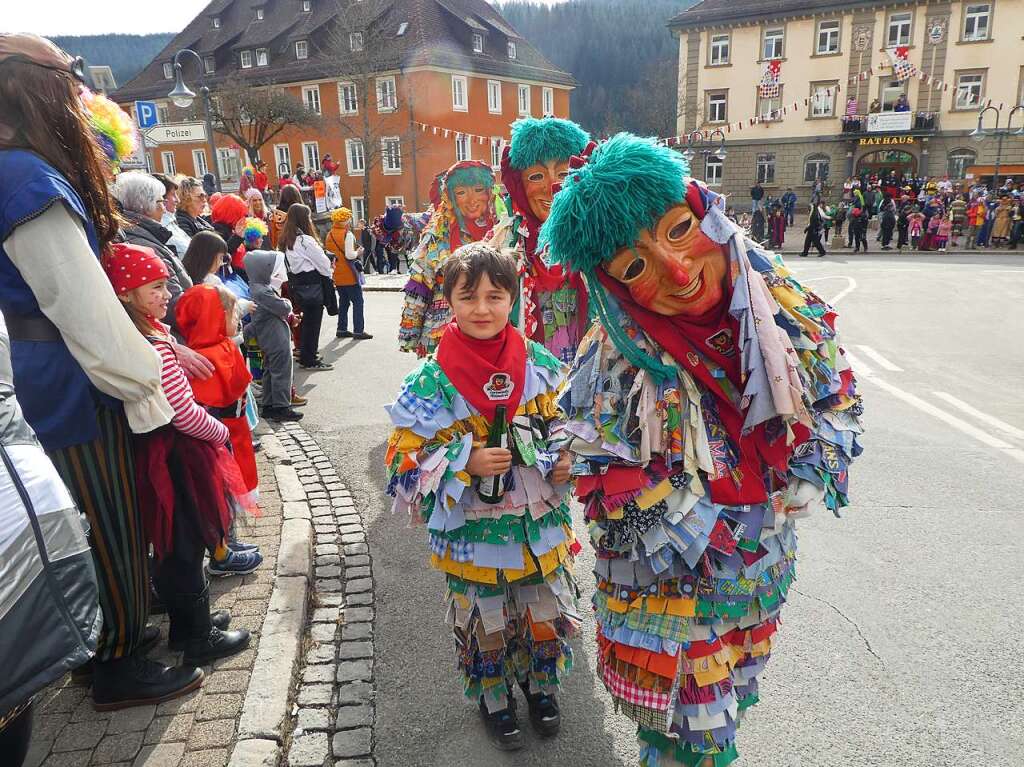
[475,260]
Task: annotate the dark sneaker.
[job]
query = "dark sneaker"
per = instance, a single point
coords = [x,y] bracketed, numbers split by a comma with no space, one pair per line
[281,414]
[318,365]
[239,546]
[235,563]
[544,714]
[362,336]
[502,726]
[342,334]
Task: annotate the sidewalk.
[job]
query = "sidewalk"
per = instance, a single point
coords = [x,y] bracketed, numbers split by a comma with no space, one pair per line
[194,731]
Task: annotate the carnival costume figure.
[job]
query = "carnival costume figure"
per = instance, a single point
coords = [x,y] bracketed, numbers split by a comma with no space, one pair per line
[463,201]
[511,598]
[552,305]
[709,406]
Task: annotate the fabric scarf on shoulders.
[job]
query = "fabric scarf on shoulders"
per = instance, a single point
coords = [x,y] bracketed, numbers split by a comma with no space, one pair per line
[487,373]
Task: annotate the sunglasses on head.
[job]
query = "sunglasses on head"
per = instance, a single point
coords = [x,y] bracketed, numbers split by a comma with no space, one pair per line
[75,67]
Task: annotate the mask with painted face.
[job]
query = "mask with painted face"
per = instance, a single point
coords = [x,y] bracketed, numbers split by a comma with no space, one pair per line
[537,184]
[673,268]
[472,201]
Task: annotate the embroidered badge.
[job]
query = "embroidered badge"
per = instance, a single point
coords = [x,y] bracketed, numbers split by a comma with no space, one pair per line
[692,358]
[722,342]
[499,387]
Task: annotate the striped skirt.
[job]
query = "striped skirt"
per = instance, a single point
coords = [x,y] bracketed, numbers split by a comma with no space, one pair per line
[101,478]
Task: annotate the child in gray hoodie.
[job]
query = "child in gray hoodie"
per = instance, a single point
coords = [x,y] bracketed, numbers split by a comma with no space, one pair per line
[269,326]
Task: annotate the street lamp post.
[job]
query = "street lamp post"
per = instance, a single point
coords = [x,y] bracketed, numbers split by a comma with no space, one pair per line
[980,133]
[183,97]
[697,141]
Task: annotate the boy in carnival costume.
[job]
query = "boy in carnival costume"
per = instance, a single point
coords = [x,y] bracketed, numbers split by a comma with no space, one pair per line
[552,304]
[709,406]
[511,597]
[463,199]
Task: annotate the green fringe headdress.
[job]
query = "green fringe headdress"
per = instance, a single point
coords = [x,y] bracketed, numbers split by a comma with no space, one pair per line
[541,140]
[625,187]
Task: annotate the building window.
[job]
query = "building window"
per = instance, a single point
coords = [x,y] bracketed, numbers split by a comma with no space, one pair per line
[168,70]
[167,160]
[311,97]
[547,101]
[358,209]
[230,165]
[497,145]
[355,41]
[394,201]
[713,170]
[311,155]
[899,29]
[959,161]
[262,57]
[478,43]
[387,95]
[969,88]
[402,28]
[282,158]
[259,14]
[391,155]
[769,108]
[828,37]
[347,98]
[460,101]
[823,99]
[463,146]
[891,92]
[524,100]
[718,51]
[162,115]
[307,6]
[355,156]
[246,59]
[771,44]
[301,50]
[209,65]
[494,97]
[511,49]
[816,168]
[216,22]
[717,106]
[976,22]
[766,168]
[199,162]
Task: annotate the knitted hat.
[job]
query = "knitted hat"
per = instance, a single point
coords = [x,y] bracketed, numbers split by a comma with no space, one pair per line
[341,216]
[228,209]
[542,140]
[132,266]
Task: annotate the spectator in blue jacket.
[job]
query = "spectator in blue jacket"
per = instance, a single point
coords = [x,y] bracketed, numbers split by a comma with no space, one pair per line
[789,205]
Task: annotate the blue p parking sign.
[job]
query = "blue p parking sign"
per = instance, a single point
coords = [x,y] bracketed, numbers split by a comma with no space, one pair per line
[146,114]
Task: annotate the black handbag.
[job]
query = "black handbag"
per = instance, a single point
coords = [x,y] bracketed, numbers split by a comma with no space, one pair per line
[330,296]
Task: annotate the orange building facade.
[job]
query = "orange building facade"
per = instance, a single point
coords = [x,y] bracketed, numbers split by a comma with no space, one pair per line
[424,119]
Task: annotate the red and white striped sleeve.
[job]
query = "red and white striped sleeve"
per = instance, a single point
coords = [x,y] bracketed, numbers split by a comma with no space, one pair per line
[189,417]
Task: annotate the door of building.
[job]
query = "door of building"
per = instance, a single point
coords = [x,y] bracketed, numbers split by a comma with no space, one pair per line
[883,161]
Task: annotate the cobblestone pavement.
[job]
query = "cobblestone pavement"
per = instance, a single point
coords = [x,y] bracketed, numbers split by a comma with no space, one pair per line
[333,715]
[195,731]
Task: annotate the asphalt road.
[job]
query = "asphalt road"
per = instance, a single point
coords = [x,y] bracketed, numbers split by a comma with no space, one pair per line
[902,642]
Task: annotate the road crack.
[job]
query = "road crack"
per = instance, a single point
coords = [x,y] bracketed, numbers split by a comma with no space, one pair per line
[867,643]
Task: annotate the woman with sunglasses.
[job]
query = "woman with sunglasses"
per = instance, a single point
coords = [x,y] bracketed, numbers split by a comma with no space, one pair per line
[85,378]
[191,203]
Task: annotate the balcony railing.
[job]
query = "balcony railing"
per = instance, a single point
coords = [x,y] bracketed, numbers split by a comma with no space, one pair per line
[891,122]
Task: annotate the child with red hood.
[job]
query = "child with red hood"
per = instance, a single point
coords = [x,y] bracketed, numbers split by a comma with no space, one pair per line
[209,321]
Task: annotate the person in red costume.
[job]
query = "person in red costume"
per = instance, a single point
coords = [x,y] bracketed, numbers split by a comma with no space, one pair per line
[709,407]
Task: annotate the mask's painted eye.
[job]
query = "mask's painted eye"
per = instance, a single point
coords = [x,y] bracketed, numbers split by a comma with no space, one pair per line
[634,270]
[679,230]
[563,174]
[534,178]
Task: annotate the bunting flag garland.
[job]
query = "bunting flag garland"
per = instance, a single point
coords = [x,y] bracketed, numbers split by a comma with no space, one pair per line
[447,132]
[769,87]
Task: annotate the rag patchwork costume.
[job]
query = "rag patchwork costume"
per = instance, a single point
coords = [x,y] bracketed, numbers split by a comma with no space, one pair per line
[552,304]
[463,200]
[511,596]
[710,405]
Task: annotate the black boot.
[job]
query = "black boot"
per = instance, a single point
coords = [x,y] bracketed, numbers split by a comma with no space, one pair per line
[138,681]
[544,713]
[177,636]
[502,726]
[150,639]
[204,642]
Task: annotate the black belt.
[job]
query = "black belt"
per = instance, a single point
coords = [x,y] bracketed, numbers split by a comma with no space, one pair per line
[23,328]
[234,410]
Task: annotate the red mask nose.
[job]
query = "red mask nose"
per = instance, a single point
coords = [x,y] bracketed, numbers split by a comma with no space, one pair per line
[678,274]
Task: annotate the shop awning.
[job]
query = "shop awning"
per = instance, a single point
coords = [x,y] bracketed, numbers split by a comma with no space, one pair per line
[974,171]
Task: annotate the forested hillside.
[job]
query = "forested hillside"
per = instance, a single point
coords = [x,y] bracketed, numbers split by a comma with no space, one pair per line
[126,55]
[621,53]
